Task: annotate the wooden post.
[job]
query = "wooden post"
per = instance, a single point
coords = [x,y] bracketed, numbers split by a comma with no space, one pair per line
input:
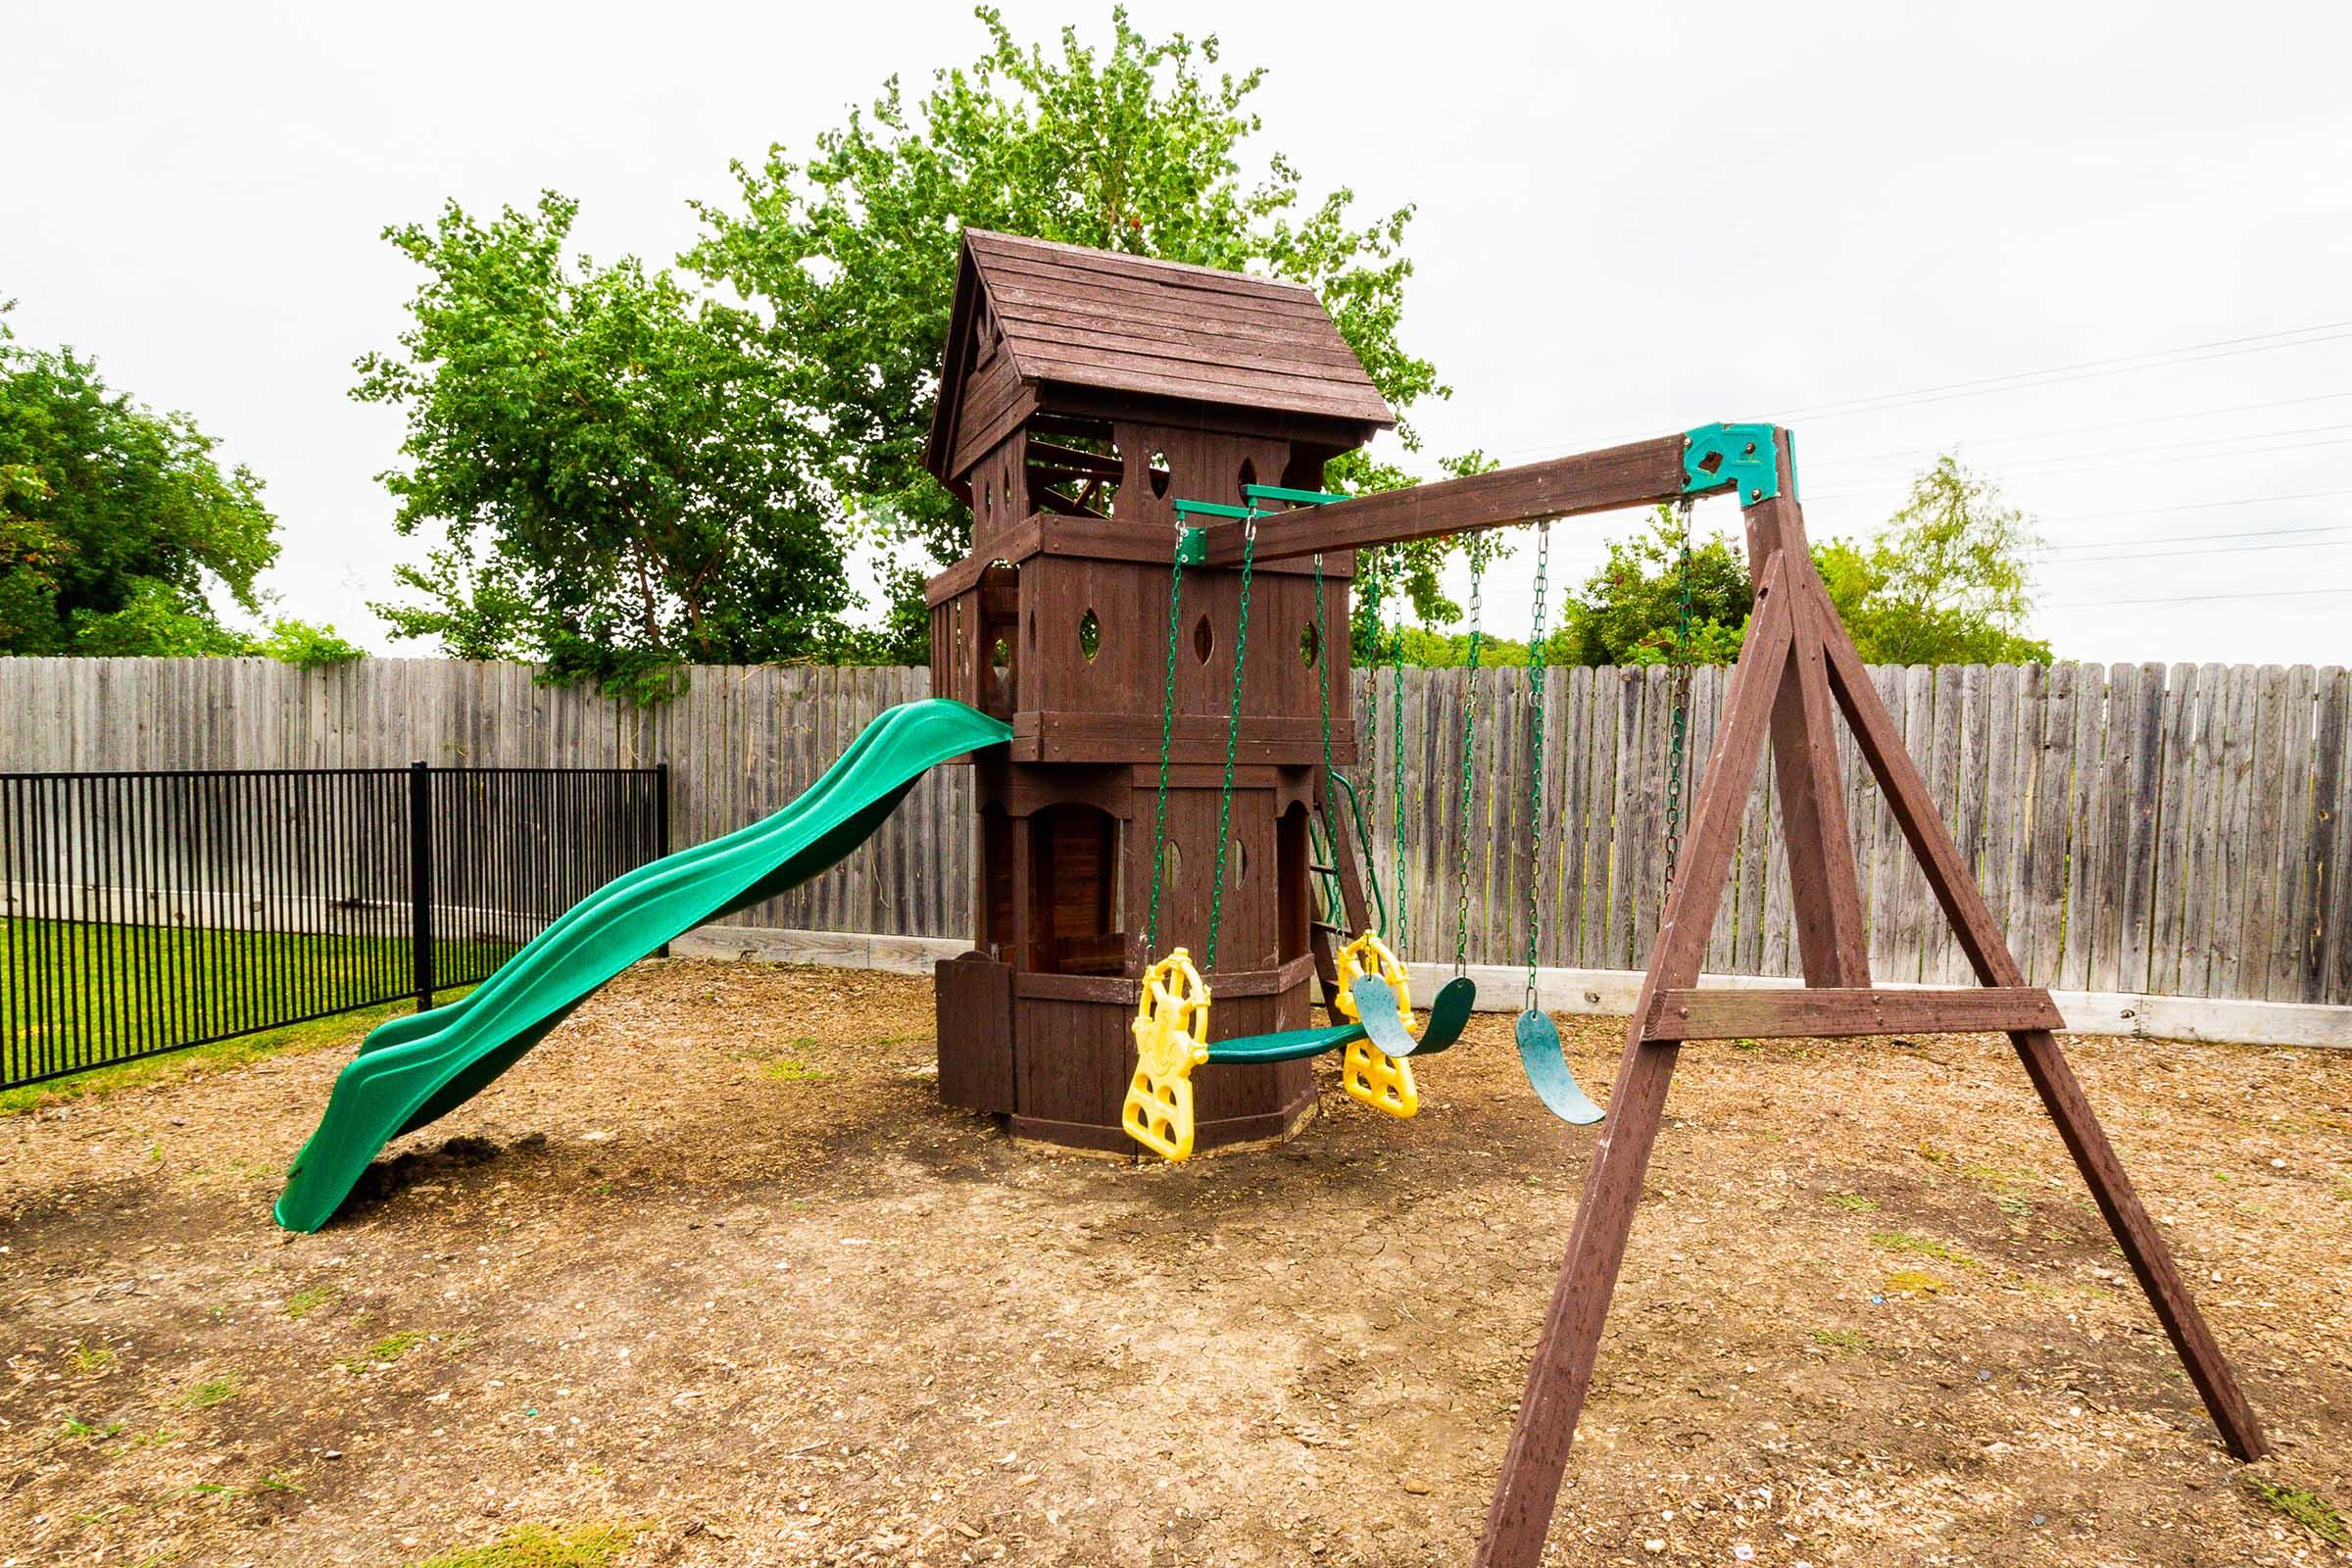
[1562,1369]
[2045,1064]
[1797,661]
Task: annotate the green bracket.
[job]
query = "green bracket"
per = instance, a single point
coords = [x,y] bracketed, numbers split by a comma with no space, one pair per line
[1194,549]
[1214,508]
[1744,456]
[1296,498]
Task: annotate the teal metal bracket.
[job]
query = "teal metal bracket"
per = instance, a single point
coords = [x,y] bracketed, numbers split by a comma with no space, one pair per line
[1745,457]
[1193,548]
[1290,496]
[1212,509]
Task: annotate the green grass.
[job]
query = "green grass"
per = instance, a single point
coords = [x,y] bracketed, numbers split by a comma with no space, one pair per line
[90,1359]
[391,1348]
[204,1395]
[587,1546]
[302,1302]
[1914,1282]
[1844,1339]
[2305,1507]
[1925,1247]
[150,984]
[1852,1201]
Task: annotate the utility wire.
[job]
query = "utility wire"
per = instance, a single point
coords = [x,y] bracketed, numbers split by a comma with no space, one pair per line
[2183,598]
[1817,465]
[2022,380]
[2081,370]
[2183,538]
[2203,549]
[2136,462]
[2198,506]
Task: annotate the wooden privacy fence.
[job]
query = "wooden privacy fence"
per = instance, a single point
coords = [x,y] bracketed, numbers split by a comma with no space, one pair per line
[2138,828]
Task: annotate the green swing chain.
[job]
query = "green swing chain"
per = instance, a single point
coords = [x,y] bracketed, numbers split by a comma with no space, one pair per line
[1534,751]
[1682,700]
[1167,723]
[1233,727]
[1396,775]
[1323,683]
[1461,905]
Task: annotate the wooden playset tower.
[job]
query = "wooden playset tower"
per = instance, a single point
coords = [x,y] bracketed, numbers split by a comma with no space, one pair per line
[1084,393]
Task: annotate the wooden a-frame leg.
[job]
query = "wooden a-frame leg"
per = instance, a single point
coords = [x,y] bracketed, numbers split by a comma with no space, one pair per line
[1562,1369]
[1988,951]
[1825,893]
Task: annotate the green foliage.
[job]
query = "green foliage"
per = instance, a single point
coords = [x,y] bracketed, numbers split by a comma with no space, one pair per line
[588,1545]
[621,482]
[2302,1505]
[1950,582]
[118,526]
[300,643]
[204,1395]
[1628,610]
[1947,581]
[1137,146]
[1436,650]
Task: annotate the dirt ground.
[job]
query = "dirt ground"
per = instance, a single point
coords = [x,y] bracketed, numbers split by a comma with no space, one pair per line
[713,1268]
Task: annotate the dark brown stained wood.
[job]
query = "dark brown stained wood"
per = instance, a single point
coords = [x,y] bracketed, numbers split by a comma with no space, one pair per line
[1301,340]
[975,1033]
[1066,264]
[2045,1064]
[1671,1009]
[1074,325]
[1825,891]
[1643,474]
[1095,737]
[1838,1014]
[1562,1368]
[1050,332]
[1106,370]
[1825,888]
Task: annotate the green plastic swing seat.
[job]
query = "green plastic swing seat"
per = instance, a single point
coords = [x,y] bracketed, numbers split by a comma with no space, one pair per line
[1448,1016]
[1290,1045]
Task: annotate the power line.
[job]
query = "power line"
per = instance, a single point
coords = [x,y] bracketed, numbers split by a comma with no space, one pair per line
[2183,598]
[2022,380]
[2206,550]
[1818,464]
[2198,506]
[2081,370]
[2136,463]
[2183,538]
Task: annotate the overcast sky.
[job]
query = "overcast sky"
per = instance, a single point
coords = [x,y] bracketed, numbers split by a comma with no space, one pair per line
[1632,218]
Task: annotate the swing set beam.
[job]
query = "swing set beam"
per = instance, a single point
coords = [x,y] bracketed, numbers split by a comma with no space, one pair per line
[1611,479]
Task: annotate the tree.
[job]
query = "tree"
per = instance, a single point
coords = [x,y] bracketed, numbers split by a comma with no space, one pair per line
[850,255]
[118,526]
[1949,581]
[621,482]
[1628,610]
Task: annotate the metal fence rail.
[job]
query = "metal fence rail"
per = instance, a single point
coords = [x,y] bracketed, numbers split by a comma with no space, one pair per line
[147,912]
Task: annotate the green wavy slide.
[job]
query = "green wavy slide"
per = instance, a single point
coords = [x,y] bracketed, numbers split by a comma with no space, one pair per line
[413,1070]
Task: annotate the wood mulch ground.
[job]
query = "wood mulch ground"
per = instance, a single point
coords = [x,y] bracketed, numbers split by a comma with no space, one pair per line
[715,1270]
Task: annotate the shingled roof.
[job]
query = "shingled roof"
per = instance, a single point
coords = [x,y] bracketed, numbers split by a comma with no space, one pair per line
[1078,320]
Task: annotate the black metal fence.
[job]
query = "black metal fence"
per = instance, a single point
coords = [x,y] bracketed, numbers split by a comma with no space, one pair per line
[144,912]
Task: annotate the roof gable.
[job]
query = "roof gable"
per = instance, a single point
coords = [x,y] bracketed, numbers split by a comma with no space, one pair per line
[1074,319]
